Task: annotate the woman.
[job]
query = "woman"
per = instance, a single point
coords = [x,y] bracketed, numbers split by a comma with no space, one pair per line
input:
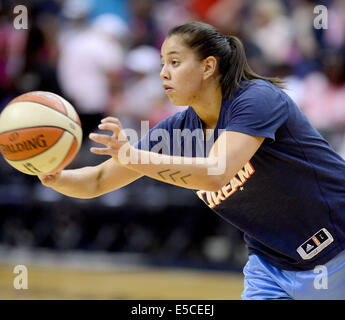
[269,172]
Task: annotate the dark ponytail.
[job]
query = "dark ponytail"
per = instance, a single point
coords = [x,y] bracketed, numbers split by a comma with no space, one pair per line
[229,51]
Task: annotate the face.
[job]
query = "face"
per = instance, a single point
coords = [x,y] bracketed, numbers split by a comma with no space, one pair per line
[182,72]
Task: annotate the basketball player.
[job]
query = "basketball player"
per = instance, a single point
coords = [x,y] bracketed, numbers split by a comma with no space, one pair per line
[283,185]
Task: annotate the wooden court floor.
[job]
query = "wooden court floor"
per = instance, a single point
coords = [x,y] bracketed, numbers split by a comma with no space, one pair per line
[71,284]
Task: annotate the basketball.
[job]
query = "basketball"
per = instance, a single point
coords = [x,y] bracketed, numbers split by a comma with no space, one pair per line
[40,132]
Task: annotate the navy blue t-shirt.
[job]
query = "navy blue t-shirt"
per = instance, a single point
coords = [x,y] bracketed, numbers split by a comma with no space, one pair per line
[289,199]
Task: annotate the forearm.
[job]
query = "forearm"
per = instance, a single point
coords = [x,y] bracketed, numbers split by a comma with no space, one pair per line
[187,172]
[78,183]
[90,182]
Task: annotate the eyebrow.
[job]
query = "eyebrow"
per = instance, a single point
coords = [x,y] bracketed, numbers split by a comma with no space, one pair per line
[171,52]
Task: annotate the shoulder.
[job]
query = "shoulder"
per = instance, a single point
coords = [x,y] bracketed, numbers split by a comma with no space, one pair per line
[259,96]
[259,108]
[258,89]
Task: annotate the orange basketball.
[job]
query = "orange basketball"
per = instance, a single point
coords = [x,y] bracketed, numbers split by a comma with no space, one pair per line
[40,132]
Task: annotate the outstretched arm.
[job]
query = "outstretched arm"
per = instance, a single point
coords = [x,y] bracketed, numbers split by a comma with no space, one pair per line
[90,182]
[229,154]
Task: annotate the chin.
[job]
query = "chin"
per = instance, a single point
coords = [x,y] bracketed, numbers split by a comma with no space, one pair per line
[178,102]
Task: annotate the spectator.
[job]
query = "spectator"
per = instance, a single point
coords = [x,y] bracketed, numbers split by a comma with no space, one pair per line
[270,29]
[223,14]
[334,36]
[143,24]
[324,95]
[89,63]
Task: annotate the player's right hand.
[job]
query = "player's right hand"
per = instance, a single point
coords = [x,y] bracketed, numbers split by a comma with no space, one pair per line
[49,179]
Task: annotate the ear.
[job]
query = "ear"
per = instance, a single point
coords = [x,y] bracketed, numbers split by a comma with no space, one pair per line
[210,66]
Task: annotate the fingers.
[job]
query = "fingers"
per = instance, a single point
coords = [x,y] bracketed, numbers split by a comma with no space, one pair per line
[100,138]
[111,126]
[103,151]
[49,179]
[112,120]
[112,144]
[108,141]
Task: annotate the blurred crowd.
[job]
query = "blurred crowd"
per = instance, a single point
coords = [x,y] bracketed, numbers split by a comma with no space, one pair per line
[104,57]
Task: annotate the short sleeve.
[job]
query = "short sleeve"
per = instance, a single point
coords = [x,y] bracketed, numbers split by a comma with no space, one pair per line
[155,135]
[259,111]
[160,139]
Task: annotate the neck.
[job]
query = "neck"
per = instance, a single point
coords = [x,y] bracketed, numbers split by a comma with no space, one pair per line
[208,107]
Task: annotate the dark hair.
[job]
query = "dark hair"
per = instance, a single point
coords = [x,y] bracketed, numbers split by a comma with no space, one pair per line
[228,50]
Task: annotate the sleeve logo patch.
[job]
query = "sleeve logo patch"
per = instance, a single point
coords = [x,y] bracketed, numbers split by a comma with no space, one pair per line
[315,244]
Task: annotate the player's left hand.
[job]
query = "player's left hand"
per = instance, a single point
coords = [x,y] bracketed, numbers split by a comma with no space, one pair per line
[116,145]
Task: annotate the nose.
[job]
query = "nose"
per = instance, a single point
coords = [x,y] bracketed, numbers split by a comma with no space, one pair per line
[164,74]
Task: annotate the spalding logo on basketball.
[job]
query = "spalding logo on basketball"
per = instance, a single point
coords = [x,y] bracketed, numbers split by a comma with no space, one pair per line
[40,132]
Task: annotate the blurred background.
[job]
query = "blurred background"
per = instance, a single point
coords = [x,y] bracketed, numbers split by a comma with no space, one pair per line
[149,239]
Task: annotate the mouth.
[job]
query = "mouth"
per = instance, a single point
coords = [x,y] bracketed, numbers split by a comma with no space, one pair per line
[167,88]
